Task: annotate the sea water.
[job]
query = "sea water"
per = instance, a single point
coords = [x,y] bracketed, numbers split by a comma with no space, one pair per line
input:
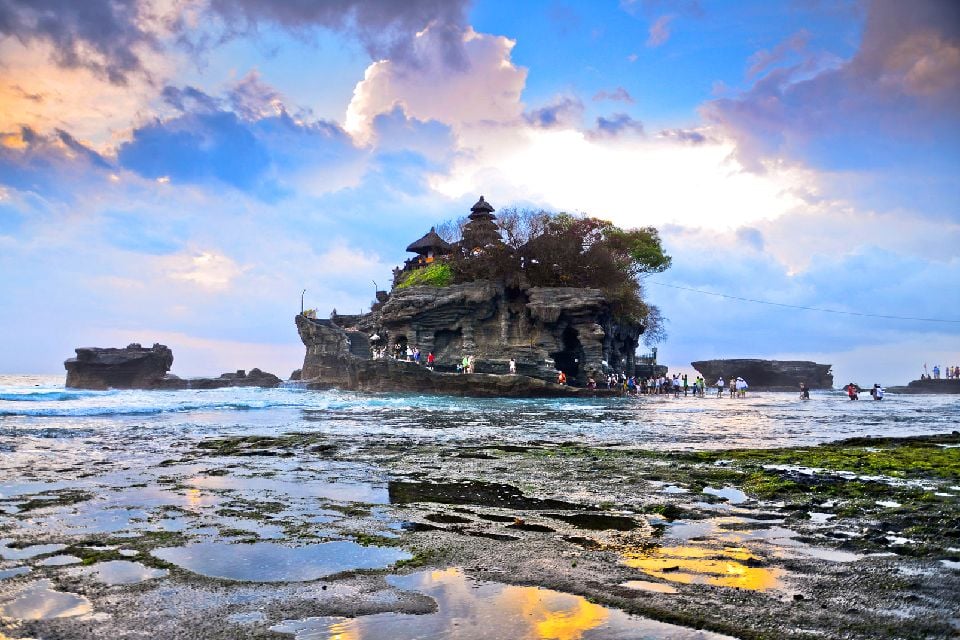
[37,411]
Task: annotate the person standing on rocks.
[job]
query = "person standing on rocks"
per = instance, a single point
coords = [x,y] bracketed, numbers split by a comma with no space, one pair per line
[720,385]
[513,365]
[431,359]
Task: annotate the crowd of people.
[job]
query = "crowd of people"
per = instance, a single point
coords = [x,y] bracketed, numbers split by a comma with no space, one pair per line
[950,373]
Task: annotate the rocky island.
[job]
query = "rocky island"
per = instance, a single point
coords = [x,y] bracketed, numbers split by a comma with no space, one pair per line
[492,301]
[929,385]
[768,375]
[137,367]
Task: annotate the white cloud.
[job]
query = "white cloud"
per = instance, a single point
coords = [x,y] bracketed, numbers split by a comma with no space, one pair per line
[486,89]
[205,269]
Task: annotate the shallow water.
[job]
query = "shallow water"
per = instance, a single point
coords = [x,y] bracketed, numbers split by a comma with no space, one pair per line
[470,609]
[39,601]
[270,562]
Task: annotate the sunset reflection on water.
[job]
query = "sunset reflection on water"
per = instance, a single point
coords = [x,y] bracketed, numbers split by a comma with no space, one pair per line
[722,567]
[473,610]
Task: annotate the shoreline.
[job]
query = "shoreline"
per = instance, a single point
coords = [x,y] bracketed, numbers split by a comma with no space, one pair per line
[583,520]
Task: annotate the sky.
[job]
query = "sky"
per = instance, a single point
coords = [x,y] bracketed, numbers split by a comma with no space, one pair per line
[178,171]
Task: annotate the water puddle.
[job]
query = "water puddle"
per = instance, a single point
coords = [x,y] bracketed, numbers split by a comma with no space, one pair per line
[653,587]
[25,553]
[487,494]
[39,602]
[271,562]
[59,561]
[722,566]
[596,521]
[730,494]
[13,572]
[342,491]
[122,572]
[470,609]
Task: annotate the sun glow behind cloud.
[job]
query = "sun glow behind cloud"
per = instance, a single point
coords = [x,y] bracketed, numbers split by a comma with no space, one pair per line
[632,182]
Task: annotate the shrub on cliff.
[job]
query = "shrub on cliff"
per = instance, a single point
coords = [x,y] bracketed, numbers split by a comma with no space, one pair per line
[561,250]
[437,274]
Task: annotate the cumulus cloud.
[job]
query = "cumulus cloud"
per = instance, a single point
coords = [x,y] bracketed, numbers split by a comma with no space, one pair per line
[486,90]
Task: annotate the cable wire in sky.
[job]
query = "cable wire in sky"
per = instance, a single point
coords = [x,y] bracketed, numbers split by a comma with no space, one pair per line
[797,306]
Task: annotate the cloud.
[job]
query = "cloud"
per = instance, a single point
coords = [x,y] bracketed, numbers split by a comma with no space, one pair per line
[564,111]
[387,29]
[894,103]
[617,95]
[689,136]
[205,269]
[486,90]
[101,35]
[766,58]
[257,147]
[616,125]
[660,31]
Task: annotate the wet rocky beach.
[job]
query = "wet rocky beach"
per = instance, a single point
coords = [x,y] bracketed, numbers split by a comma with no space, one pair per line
[293,514]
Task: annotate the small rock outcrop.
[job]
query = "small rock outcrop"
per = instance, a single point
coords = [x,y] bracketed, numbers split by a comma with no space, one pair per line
[132,367]
[137,367]
[928,385]
[768,375]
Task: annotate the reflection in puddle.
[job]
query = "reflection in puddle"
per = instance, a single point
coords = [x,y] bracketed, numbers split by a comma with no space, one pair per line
[39,602]
[643,585]
[343,491]
[731,494]
[122,572]
[15,571]
[59,561]
[9,553]
[270,562]
[722,567]
[473,610]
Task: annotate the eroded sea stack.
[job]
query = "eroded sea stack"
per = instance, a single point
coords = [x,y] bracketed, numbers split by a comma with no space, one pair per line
[768,375]
[544,329]
[137,367]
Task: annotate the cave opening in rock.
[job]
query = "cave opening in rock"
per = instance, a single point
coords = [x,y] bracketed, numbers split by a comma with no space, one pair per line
[568,360]
[400,347]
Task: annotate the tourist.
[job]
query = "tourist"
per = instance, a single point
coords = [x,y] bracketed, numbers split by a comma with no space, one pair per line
[877,392]
[591,383]
[561,377]
[675,383]
[465,364]
[741,387]
[733,387]
[513,365]
[804,391]
[409,354]
[471,364]
[684,385]
[936,372]
[416,355]
[631,385]
[720,385]
[644,386]
[431,359]
[852,391]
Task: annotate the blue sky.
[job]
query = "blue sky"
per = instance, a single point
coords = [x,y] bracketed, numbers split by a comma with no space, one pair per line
[179,172]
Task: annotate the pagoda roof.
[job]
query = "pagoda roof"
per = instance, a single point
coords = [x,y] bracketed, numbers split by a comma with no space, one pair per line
[430,241]
[482,206]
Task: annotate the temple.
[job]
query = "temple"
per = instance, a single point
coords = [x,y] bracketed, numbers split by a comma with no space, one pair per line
[544,330]
[428,248]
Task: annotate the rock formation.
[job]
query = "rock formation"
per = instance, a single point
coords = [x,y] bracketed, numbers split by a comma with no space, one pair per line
[132,367]
[136,367]
[768,375]
[545,329]
[928,385]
